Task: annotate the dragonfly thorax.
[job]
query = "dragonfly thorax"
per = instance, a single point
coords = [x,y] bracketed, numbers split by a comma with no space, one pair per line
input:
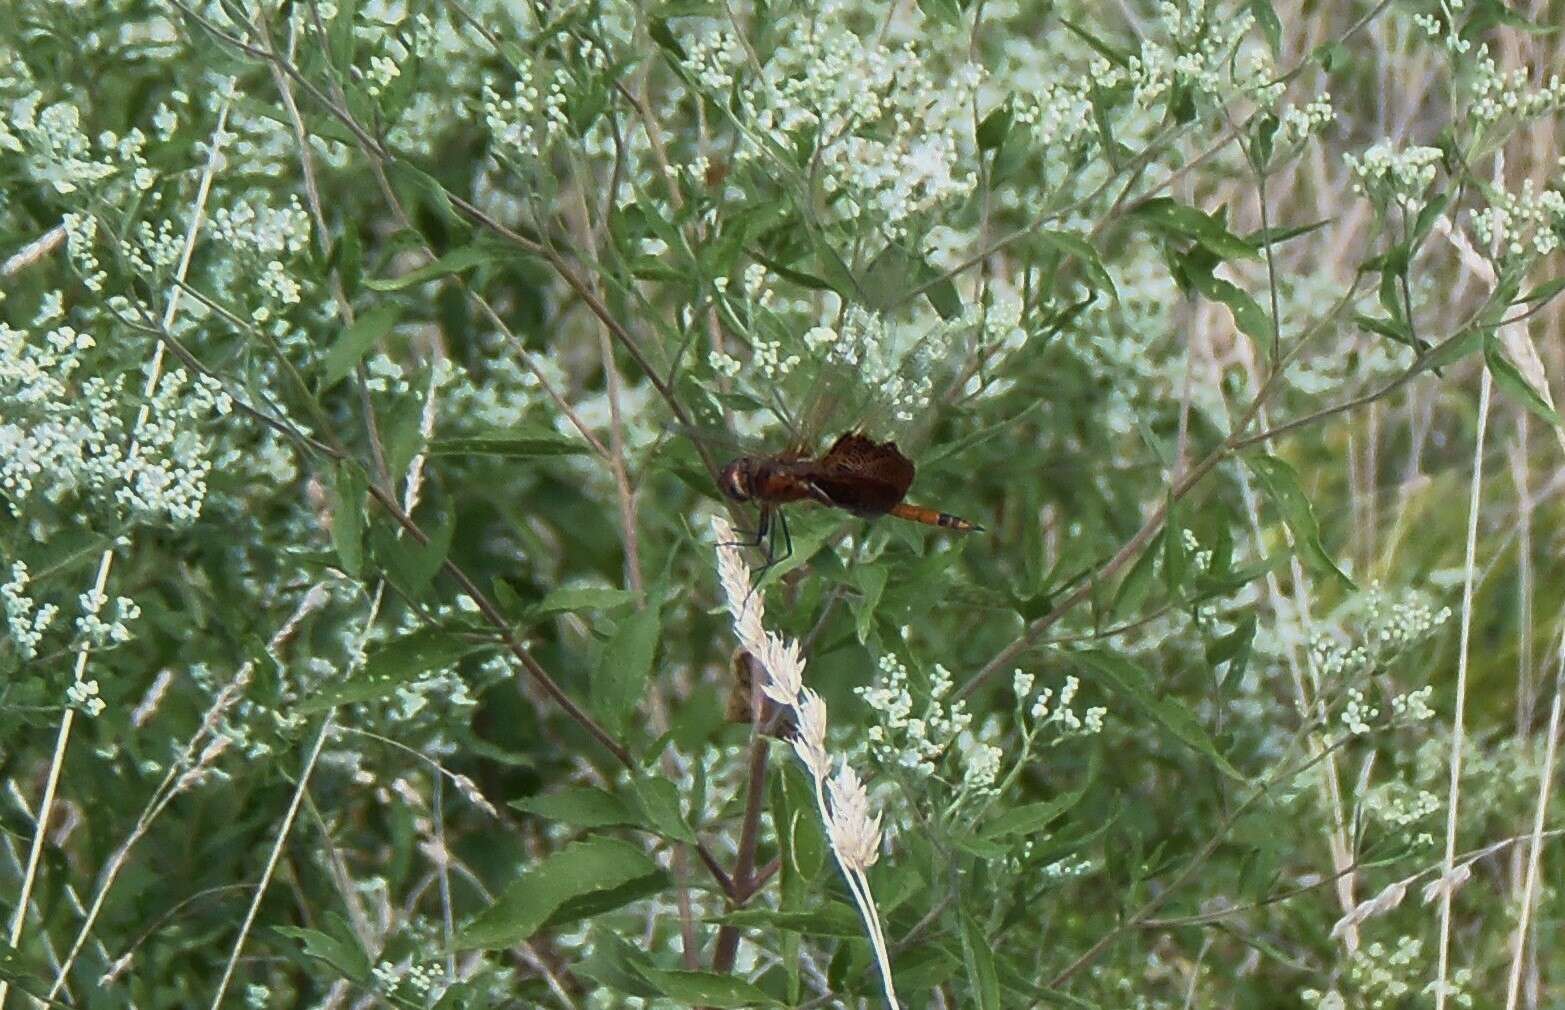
[737,480]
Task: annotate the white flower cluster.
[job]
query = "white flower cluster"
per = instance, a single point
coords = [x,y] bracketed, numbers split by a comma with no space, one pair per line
[261,239]
[1068,869]
[25,621]
[1518,228]
[157,247]
[1044,711]
[262,230]
[1400,805]
[891,127]
[382,71]
[1386,630]
[527,121]
[1059,113]
[83,696]
[59,152]
[1201,58]
[725,364]
[1413,706]
[61,436]
[1391,177]
[902,739]
[1497,95]
[713,58]
[165,475]
[1299,124]
[81,231]
[1394,627]
[1434,26]
[414,979]
[1358,713]
[97,627]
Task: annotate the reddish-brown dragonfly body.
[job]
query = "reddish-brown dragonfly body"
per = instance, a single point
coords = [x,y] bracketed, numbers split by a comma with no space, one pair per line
[857,474]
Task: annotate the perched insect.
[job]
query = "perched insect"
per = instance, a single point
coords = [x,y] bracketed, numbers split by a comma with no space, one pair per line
[857,474]
[870,383]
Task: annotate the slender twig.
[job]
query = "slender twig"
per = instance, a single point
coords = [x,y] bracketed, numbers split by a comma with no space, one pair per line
[184,772]
[1140,915]
[271,862]
[1535,842]
[1459,703]
[749,828]
[33,251]
[106,560]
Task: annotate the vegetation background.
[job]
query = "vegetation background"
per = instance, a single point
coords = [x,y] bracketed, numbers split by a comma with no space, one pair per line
[365,641]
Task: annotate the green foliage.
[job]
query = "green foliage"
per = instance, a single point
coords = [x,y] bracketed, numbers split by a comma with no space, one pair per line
[367,373]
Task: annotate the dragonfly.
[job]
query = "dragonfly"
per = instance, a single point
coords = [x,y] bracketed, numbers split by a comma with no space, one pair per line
[858,473]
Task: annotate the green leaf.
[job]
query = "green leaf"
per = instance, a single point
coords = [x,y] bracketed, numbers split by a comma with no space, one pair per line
[871,582]
[1171,217]
[701,988]
[799,277]
[456,261]
[409,564]
[1138,582]
[1391,329]
[1543,292]
[896,272]
[569,600]
[619,679]
[582,807]
[1277,235]
[616,964]
[659,801]
[1031,818]
[831,919]
[340,37]
[944,11]
[579,870]
[421,186]
[1132,682]
[995,127]
[1251,319]
[1114,55]
[661,34]
[355,341]
[1282,486]
[1271,27]
[1511,381]
[835,270]
[342,951]
[1078,248]
[1234,649]
[392,665]
[1427,216]
[1450,350]
[525,441]
[347,257]
[347,519]
[978,956]
[800,825]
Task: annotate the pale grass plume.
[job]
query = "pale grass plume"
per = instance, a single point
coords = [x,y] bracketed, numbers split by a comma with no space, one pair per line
[842,799]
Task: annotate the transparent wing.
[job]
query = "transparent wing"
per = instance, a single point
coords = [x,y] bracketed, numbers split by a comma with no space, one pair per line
[883,377]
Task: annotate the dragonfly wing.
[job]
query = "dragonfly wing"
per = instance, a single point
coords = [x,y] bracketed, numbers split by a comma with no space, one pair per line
[863,476]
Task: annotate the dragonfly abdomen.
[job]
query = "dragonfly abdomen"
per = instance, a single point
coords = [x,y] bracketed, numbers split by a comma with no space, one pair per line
[933,517]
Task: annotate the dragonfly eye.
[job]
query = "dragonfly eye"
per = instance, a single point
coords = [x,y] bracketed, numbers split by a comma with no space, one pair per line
[735,480]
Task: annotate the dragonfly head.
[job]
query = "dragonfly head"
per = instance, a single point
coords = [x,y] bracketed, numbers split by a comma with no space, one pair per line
[735,480]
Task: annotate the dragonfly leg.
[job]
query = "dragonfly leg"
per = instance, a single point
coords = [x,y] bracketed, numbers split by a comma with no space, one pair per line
[772,529]
[758,538]
[782,524]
